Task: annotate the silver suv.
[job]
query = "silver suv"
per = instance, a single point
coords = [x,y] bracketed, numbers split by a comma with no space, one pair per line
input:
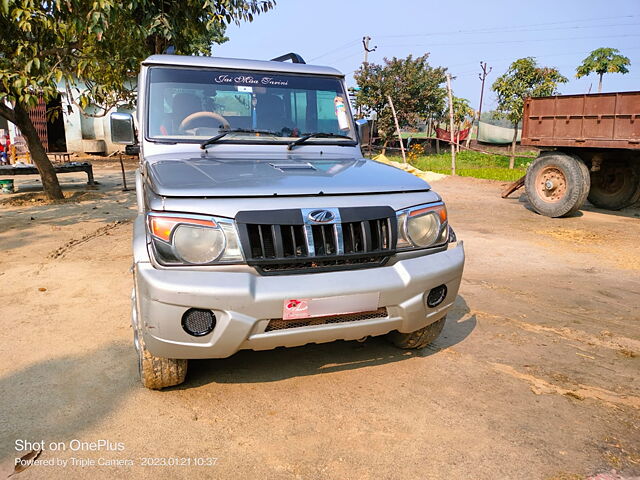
[261,225]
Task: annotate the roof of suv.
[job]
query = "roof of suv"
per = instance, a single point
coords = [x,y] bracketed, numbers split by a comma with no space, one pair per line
[240,64]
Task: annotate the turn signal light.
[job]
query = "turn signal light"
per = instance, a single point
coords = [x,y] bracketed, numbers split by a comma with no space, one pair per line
[162,227]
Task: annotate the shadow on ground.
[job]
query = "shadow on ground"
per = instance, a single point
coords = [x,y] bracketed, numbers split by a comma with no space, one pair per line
[55,400]
[629,212]
[270,366]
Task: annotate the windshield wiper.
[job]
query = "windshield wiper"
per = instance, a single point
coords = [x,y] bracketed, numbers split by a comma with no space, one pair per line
[224,133]
[307,136]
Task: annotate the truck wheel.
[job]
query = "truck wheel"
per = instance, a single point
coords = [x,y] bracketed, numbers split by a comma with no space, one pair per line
[158,372]
[420,338]
[557,184]
[616,185]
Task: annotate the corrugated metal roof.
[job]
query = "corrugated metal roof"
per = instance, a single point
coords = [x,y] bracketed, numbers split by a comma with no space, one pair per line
[240,64]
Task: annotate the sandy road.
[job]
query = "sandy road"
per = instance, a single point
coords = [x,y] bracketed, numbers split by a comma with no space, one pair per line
[535,376]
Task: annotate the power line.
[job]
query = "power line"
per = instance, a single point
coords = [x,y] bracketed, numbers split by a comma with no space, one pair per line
[346,45]
[502,28]
[511,30]
[543,55]
[504,42]
[522,28]
[353,43]
[525,30]
[348,56]
[340,53]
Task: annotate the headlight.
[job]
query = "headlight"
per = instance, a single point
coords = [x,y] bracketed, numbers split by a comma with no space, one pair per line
[195,244]
[422,226]
[193,239]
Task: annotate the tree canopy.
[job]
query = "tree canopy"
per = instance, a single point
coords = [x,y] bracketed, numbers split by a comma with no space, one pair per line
[523,79]
[94,49]
[461,110]
[601,61]
[414,86]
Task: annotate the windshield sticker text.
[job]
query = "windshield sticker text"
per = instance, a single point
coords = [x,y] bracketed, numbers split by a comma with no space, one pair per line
[250,80]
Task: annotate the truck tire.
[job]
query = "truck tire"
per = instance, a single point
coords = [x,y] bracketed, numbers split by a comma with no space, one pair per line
[557,184]
[420,338]
[616,185]
[157,372]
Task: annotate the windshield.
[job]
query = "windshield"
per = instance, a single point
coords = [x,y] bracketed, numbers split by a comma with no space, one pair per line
[192,105]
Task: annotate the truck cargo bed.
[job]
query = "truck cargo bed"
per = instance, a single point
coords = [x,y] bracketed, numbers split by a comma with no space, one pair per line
[603,120]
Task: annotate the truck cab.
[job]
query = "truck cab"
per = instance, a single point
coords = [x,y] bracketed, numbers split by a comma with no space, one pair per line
[260,224]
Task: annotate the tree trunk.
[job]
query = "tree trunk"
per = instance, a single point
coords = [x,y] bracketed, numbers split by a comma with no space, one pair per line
[468,141]
[512,158]
[47,173]
[384,147]
[600,83]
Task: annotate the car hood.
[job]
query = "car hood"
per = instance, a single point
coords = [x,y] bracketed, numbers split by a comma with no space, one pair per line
[261,175]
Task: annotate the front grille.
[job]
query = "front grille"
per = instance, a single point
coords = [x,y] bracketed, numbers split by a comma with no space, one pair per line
[262,241]
[370,235]
[280,324]
[282,242]
[324,240]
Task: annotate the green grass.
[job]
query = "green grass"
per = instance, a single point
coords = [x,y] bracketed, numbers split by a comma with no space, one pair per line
[414,135]
[472,164]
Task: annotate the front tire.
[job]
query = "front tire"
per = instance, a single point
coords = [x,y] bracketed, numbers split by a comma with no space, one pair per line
[157,372]
[420,338]
[557,184]
[616,185]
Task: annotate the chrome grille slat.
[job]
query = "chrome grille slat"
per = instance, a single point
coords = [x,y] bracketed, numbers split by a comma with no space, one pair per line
[308,235]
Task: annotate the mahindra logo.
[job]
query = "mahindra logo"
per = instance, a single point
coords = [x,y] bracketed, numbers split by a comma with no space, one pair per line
[321,216]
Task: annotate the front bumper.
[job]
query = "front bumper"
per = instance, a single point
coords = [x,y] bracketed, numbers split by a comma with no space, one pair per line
[244,302]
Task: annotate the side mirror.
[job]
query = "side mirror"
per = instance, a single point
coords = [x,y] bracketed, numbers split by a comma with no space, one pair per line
[122,129]
[364,131]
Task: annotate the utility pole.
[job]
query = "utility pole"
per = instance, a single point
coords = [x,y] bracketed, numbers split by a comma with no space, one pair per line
[365,43]
[453,145]
[482,77]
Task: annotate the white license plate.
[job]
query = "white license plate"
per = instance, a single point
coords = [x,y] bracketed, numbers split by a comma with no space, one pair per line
[294,308]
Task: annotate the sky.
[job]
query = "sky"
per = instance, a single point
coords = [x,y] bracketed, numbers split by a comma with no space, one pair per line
[457,35]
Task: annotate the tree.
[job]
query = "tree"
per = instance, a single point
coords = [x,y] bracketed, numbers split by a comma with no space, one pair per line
[93,49]
[523,79]
[601,61]
[461,111]
[413,85]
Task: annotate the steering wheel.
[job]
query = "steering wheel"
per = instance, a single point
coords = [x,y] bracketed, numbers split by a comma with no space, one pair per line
[188,120]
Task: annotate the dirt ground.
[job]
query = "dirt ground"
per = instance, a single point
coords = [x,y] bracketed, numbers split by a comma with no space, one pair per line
[534,377]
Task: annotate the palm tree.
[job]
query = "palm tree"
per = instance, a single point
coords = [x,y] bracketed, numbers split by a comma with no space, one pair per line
[601,61]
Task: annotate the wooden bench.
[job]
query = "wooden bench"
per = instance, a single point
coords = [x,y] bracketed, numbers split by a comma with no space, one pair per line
[12,170]
[62,157]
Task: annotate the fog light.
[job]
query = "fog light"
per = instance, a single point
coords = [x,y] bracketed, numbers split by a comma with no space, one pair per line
[436,296]
[198,322]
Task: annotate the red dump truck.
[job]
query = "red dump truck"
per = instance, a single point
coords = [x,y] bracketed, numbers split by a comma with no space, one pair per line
[590,148]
